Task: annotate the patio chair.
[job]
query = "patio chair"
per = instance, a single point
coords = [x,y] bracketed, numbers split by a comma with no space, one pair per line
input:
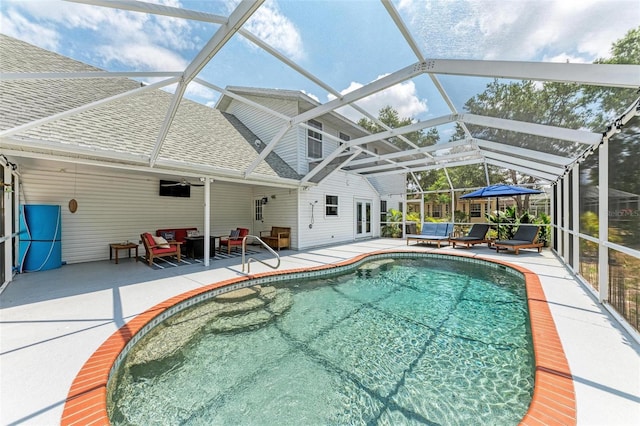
[159,248]
[476,235]
[525,237]
[234,239]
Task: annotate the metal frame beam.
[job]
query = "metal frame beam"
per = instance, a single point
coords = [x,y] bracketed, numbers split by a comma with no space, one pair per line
[238,17]
[552,132]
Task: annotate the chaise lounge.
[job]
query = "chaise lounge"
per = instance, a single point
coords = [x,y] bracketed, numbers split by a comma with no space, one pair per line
[432,232]
[525,237]
[476,235]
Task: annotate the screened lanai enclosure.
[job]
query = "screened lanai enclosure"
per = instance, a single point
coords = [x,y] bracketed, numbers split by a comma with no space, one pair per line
[449,96]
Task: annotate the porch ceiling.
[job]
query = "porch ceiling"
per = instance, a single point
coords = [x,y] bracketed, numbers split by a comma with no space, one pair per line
[542,163]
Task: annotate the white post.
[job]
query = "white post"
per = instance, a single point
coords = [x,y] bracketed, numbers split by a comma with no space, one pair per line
[565,218]
[559,210]
[603,220]
[207,220]
[575,219]
[8,222]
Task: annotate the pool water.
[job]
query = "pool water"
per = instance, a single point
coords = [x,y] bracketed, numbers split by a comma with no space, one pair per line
[404,341]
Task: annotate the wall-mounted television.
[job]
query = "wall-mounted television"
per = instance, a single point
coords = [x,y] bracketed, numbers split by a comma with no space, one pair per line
[171,188]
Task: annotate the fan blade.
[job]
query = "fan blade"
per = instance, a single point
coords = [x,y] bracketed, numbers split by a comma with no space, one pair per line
[165,185]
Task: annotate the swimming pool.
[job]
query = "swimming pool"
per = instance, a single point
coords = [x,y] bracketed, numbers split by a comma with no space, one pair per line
[399,340]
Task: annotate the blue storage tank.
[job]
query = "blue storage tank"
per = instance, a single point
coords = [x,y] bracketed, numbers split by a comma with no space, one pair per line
[40,231]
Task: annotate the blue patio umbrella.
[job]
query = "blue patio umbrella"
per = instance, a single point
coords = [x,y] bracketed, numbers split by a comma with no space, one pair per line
[500,190]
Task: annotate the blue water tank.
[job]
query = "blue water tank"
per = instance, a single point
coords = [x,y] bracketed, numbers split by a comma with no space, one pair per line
[40,231]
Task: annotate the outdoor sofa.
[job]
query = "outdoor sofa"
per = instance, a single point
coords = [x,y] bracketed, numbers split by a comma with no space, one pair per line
[432,232]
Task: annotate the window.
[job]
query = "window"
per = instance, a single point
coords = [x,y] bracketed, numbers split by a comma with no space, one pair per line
[314,140]
[475,210]
[345,138]
[331,205]
[383,211]
[437,210]
[258,209]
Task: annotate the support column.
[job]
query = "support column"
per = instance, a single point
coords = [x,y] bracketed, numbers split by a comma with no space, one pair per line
[575,219]
[603,220]
[565,218]
[207,221]
[559,219]
[8,207]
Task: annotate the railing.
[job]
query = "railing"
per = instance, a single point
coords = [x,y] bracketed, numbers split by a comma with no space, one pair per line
[244,249]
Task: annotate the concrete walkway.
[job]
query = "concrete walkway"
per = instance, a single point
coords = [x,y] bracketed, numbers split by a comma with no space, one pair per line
[52,321]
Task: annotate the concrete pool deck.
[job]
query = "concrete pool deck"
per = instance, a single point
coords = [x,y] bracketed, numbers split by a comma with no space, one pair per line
[53,321]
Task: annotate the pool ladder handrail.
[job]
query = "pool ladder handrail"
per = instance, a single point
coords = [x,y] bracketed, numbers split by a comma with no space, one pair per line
[244,249]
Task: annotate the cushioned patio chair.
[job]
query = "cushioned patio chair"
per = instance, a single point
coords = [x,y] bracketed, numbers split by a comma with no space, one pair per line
[159,247]
[476,235]
[234,239]
[525,237]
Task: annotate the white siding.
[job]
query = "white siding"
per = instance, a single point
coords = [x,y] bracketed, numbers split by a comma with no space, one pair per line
[111,208]
[231,207]
[329,229]
[279,211]
[266,126]
[118,207]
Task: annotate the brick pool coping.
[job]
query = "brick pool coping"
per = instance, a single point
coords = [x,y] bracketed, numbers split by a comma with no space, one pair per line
[553,401]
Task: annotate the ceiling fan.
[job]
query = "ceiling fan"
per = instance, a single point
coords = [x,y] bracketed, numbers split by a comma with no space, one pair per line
[183,182]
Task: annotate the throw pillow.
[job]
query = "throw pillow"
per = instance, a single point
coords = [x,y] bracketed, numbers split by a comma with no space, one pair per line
[192,233]
[234,234]
[161,242]
[169,235]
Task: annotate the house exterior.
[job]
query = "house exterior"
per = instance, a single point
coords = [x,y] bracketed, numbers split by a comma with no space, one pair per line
[95,140]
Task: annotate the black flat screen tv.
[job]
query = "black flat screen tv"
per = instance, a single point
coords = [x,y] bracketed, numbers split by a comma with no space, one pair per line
[170,188]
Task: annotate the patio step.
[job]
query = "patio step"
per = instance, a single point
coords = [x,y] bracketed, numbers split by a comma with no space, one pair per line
[250,309]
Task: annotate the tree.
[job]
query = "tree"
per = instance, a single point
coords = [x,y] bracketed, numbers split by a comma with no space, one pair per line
[391,118]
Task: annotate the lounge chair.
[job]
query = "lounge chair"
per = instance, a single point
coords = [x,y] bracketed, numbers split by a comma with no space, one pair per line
[235,239]
[525,237]
[476,235]
[160,248]
[432,232]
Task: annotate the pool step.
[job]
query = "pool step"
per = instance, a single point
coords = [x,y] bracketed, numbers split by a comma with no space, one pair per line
[253,318]
[235,312]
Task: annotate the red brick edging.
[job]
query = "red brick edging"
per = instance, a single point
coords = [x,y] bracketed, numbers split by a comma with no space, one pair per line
[553,401]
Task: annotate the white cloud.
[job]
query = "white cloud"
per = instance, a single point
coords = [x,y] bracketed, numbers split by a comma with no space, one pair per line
[402,97]
[14,24]
[269,24]
[519,30]
[142,56]
[134,41]
[312,96]
[564,57]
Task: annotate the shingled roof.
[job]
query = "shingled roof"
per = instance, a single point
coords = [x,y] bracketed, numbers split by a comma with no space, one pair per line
[122,130]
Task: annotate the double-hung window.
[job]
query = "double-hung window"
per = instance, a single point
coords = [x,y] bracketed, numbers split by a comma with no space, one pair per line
[331,205]
[475,210]
[314,140]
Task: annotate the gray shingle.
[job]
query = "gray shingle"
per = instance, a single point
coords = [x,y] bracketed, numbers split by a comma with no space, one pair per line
[199,135]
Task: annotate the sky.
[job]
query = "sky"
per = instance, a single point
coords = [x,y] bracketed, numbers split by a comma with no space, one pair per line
[345,43]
